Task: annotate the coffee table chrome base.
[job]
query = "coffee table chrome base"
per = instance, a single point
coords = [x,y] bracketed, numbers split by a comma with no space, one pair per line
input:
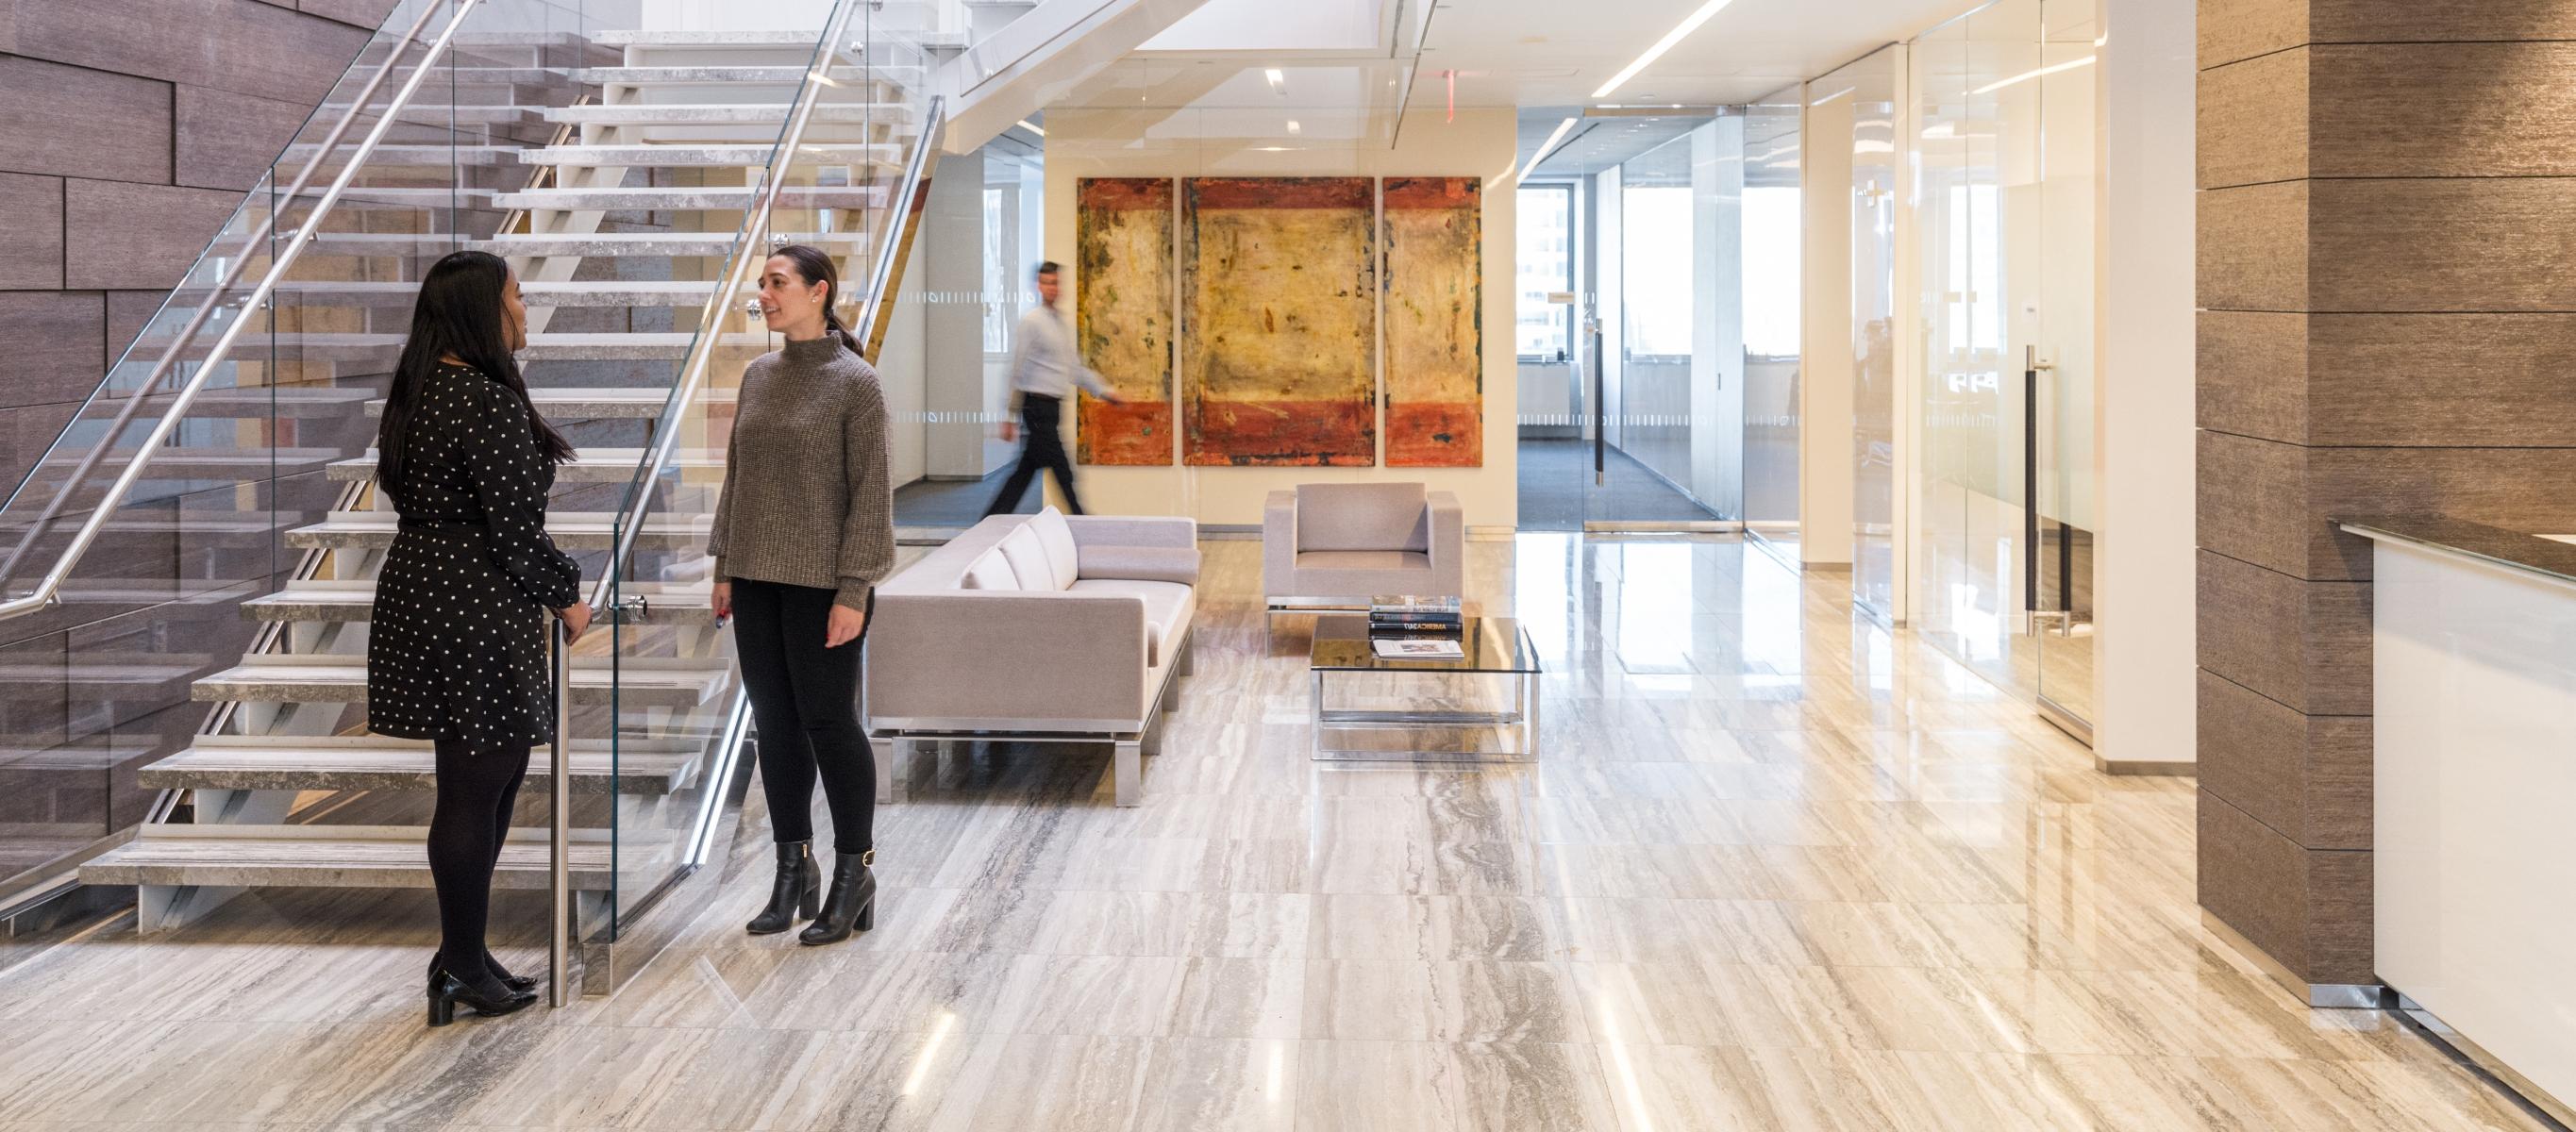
[1523,718]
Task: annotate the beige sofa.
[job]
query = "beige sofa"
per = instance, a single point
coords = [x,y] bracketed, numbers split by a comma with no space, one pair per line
[1335,545]
[1034,628]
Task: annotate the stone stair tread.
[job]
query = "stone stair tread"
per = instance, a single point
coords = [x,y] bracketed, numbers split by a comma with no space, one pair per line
[338,679]
[684,113]
[635,244]
[713,154]
[738,73]
[660,346]
[572,403]
[714,197]
[689,38]
[376,762]
[329,856]
[322,600]
[588,465]
[572,531]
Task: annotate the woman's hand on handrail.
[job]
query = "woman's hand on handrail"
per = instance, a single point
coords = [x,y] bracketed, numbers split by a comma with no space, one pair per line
[576,619]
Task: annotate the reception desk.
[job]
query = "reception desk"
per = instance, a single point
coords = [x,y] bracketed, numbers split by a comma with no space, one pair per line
[2474,792]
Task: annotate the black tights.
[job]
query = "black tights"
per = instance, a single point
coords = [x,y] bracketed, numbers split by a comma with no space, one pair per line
[476,791]
[805,701]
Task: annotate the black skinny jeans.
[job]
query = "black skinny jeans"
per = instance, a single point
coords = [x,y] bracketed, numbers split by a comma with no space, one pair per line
[804,700]
[1041,447]
[476,791]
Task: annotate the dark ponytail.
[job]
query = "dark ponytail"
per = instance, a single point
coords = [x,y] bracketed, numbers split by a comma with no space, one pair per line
[457,314]
[813,266]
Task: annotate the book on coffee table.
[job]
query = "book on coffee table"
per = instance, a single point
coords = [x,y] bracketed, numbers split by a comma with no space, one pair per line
[1417,648]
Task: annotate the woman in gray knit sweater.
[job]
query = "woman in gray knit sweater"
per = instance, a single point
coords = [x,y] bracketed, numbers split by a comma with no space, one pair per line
[804,531]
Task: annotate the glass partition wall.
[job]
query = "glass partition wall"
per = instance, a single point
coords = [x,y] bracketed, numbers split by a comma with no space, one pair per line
[2002,128]
[1773,286]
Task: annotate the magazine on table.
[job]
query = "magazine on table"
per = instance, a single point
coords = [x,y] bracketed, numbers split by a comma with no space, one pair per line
[1418,648]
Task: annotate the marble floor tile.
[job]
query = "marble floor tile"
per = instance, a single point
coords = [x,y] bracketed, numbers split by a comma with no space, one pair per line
[1799,872]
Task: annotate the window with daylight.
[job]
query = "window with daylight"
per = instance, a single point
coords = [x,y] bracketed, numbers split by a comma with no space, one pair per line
[1546,251]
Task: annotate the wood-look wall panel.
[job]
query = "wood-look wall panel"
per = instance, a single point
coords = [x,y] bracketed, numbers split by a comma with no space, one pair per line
[2306,776]
[2305,644]
[2254,247]
[2434,380]
[2252,492]
[2252,121]
[227,140]
[2435,109]
[57,346]
[2308,908]
[2253,373]
[2274,505]
[2413,21]
[2233,30]
[2472,244]
[236,45]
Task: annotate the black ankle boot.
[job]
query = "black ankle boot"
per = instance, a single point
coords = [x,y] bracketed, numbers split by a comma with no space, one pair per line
[518,984]
[483,995]
[852,903]
[794,893]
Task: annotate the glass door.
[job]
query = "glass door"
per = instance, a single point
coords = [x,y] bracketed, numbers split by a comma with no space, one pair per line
[2061,445]
[1665,436]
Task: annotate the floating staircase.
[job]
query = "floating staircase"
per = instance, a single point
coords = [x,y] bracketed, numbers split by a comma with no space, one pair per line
[614,171]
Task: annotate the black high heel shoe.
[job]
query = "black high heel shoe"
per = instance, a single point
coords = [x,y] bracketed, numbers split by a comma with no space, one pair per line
[852,902]
[446,991]
[518,984]
[795,894]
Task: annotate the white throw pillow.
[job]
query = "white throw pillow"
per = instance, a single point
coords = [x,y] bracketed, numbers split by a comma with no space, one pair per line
[1028,559]
[990,572]
[1063,560]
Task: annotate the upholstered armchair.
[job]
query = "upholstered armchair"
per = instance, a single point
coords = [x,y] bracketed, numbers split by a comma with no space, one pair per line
[1335,545]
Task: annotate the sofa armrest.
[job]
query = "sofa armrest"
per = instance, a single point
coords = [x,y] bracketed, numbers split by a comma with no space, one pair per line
[1448,542]
[1278,543]
[1047,657]
[1133,530]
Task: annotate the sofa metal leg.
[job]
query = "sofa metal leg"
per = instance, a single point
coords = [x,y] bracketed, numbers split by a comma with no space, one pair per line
[894,769]
[1127,769]
[1188,664]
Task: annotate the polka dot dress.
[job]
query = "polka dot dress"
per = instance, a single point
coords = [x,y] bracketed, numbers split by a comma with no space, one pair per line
[458,644]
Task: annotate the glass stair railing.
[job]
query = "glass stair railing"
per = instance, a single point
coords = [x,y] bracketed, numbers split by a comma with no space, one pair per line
[189,569]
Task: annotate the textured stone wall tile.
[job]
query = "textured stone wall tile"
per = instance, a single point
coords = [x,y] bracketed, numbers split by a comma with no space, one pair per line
[56,346]
[2233,30]
[2440,109]
[2310,909]
[2411,21]
[237,45]
[2275,505]
[2442,380]
[76,122]
[31,232]
[2254,374]
[121,236]
[2305,644]
[2475,244]
[228,140]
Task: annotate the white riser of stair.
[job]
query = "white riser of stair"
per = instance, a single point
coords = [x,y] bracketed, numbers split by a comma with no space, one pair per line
[589,465]
[725,113]
[343,601]
[572,531]
[622,200]
[328,856]
[639,682]
[375,762]
[639,244]
[643,403]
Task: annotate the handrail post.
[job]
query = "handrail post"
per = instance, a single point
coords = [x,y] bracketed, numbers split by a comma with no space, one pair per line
[559,836]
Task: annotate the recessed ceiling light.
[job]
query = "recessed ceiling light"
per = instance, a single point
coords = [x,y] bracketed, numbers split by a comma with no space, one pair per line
[1688,25]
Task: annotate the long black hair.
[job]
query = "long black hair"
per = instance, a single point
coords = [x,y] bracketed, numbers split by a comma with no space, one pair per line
[458,314]
[814,266]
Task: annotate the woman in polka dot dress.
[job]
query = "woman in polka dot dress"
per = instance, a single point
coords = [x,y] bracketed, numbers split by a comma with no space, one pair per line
[456,652]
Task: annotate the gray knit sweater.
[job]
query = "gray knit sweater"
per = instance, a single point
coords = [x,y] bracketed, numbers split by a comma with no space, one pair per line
[806,500]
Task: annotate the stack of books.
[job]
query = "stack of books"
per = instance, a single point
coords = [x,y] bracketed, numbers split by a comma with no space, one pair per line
[1417,628]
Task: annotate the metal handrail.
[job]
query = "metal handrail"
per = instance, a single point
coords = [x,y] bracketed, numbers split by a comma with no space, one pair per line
[693,371]
[49,589]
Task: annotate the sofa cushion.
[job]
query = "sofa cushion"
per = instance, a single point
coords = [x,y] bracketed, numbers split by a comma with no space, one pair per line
[1142,563]
[1028,559]
[1372,560]
[1168,606]
[990,571]
[1063,561]
[1362,516]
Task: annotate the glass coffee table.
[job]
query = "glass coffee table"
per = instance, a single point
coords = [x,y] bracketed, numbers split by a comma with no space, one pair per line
[1438,714]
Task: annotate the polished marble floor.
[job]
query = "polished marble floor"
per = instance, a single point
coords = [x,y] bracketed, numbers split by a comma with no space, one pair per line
[1777,869]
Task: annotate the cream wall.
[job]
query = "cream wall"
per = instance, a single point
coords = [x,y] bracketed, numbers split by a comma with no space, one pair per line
[1480,143]
[1825,348]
